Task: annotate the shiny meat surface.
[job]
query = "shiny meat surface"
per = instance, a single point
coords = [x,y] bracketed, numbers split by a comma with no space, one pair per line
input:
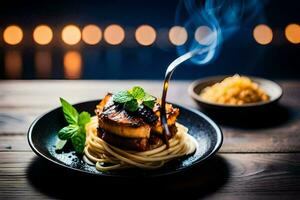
[131,130]
[114,119]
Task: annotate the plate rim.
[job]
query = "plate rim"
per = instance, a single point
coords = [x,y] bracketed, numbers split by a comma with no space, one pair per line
[216,127]
[196,97]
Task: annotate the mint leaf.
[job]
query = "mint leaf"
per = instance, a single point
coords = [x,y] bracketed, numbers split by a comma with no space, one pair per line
[122,97]
[131,105]
[149,97]
[137,92]
[149,100]
[133,97]
[149,104]
[68,131]
[83,118]
[70,112]
[60,144]
[78,141]
[76,128]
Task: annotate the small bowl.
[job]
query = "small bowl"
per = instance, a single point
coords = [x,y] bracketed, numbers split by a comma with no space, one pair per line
[235,111]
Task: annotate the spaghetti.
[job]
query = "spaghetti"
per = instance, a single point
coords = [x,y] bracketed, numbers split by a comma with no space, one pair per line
[106,157]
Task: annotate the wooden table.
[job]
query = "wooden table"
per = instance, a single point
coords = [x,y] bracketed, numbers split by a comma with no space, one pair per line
[255,162]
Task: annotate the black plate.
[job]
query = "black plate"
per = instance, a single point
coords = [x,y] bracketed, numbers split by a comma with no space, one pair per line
[42,136]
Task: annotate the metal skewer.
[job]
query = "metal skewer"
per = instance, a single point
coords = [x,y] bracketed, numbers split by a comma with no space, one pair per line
[169,72]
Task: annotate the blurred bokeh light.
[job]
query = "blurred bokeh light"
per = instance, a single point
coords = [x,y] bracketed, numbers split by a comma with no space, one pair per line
[292,33]
[42,34]
[204,35]
[91,34]
[72,65]
[263,34]
[114,34]
[138,39]
[43,64]
[13,35]
[178,35]
[145,35]
[71,34]
[13,64]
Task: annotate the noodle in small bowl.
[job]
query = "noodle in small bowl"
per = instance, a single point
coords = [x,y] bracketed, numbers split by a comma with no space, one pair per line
[207,135]
[272,93]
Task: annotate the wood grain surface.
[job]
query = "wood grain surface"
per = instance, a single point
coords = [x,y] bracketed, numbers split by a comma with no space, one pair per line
[259,159]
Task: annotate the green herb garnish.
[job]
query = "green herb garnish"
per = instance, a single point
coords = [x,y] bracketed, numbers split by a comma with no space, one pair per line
[131,105]
[75,131]
[122,97]
[133,98]
[137,93]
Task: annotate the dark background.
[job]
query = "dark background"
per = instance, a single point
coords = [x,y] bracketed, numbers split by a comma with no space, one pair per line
[240,54]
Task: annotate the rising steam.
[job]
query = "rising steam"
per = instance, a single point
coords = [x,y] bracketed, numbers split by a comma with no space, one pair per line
[211,22]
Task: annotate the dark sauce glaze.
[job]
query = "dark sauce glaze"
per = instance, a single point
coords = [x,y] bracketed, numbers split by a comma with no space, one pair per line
[117,113]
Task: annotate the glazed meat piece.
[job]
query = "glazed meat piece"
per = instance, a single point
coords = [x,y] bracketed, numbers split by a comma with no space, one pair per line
[114,119]
[140,130]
